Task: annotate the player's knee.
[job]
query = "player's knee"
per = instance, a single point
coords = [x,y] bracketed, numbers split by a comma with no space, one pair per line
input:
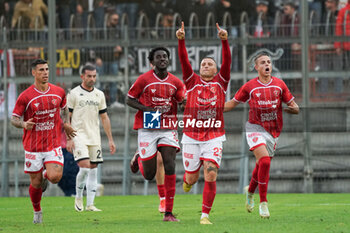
[191,180]
[55,178]
[264,161]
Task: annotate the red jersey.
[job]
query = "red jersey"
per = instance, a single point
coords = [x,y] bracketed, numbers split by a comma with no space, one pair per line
[161,94]
[265,102]
[203,116]
[44,108]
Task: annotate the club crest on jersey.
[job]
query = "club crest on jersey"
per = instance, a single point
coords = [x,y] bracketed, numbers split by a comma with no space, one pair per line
[276,92]
[36,105]
[171,91]
[199,92]
[213,89]
[258,94]
[153,90]
[54,101]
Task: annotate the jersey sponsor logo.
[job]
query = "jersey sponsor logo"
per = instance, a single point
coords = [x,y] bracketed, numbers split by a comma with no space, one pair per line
[83,103]
[254,134]
[268,102]
[207,100]
[46,111]
[42,126]
[28,164]
[151,120]
[161,99]
[144,144]
[206,114]
[188,155]
[268,116]
[30,156]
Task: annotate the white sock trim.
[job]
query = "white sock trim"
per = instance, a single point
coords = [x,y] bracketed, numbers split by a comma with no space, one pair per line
[204,215]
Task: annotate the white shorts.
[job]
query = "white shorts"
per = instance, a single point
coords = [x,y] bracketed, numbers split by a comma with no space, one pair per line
[34,161]
[149,141]
[257,136]
[94,153]
[194,154]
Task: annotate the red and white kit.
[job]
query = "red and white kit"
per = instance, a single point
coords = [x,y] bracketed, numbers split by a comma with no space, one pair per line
[203,116]
[44,108]
[265,101]
[163,95]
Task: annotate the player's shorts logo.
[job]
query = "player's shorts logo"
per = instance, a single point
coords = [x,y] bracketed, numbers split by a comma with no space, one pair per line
[151,120]
[28,164]
[255,139]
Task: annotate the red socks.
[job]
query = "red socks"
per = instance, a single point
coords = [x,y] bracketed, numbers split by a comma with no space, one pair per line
[263,177]
[35,197]
[209,193]
[169,183]
[254,181]
[161,190]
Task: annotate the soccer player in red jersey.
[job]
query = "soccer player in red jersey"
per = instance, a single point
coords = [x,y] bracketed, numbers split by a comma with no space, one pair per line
[40,106]
[265,95]
[158,91]
[203,119]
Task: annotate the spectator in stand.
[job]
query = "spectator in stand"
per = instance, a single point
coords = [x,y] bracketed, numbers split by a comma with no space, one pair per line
[130,7]
[343,48]
[64,9]
[152,7]
[316,6]
[84,7]
[108,60]
[289,27]
[31,12]
[221,7]
[329,59]
[261,22]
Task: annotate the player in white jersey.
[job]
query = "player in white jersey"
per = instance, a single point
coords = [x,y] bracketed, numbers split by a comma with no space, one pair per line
[265,95]
[86,103]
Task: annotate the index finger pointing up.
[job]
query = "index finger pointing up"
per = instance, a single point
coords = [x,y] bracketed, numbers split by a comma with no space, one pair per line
[218,27]
[182,25]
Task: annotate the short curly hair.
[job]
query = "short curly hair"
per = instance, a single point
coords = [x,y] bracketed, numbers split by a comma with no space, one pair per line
[153,51]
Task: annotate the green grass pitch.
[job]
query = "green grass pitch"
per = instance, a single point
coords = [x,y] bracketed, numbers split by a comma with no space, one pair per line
[300,213]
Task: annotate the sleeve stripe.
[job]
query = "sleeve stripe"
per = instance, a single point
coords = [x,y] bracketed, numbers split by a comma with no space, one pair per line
[102,111]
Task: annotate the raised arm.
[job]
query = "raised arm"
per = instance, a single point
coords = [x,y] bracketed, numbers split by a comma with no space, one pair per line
[225,69]
[185,63]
